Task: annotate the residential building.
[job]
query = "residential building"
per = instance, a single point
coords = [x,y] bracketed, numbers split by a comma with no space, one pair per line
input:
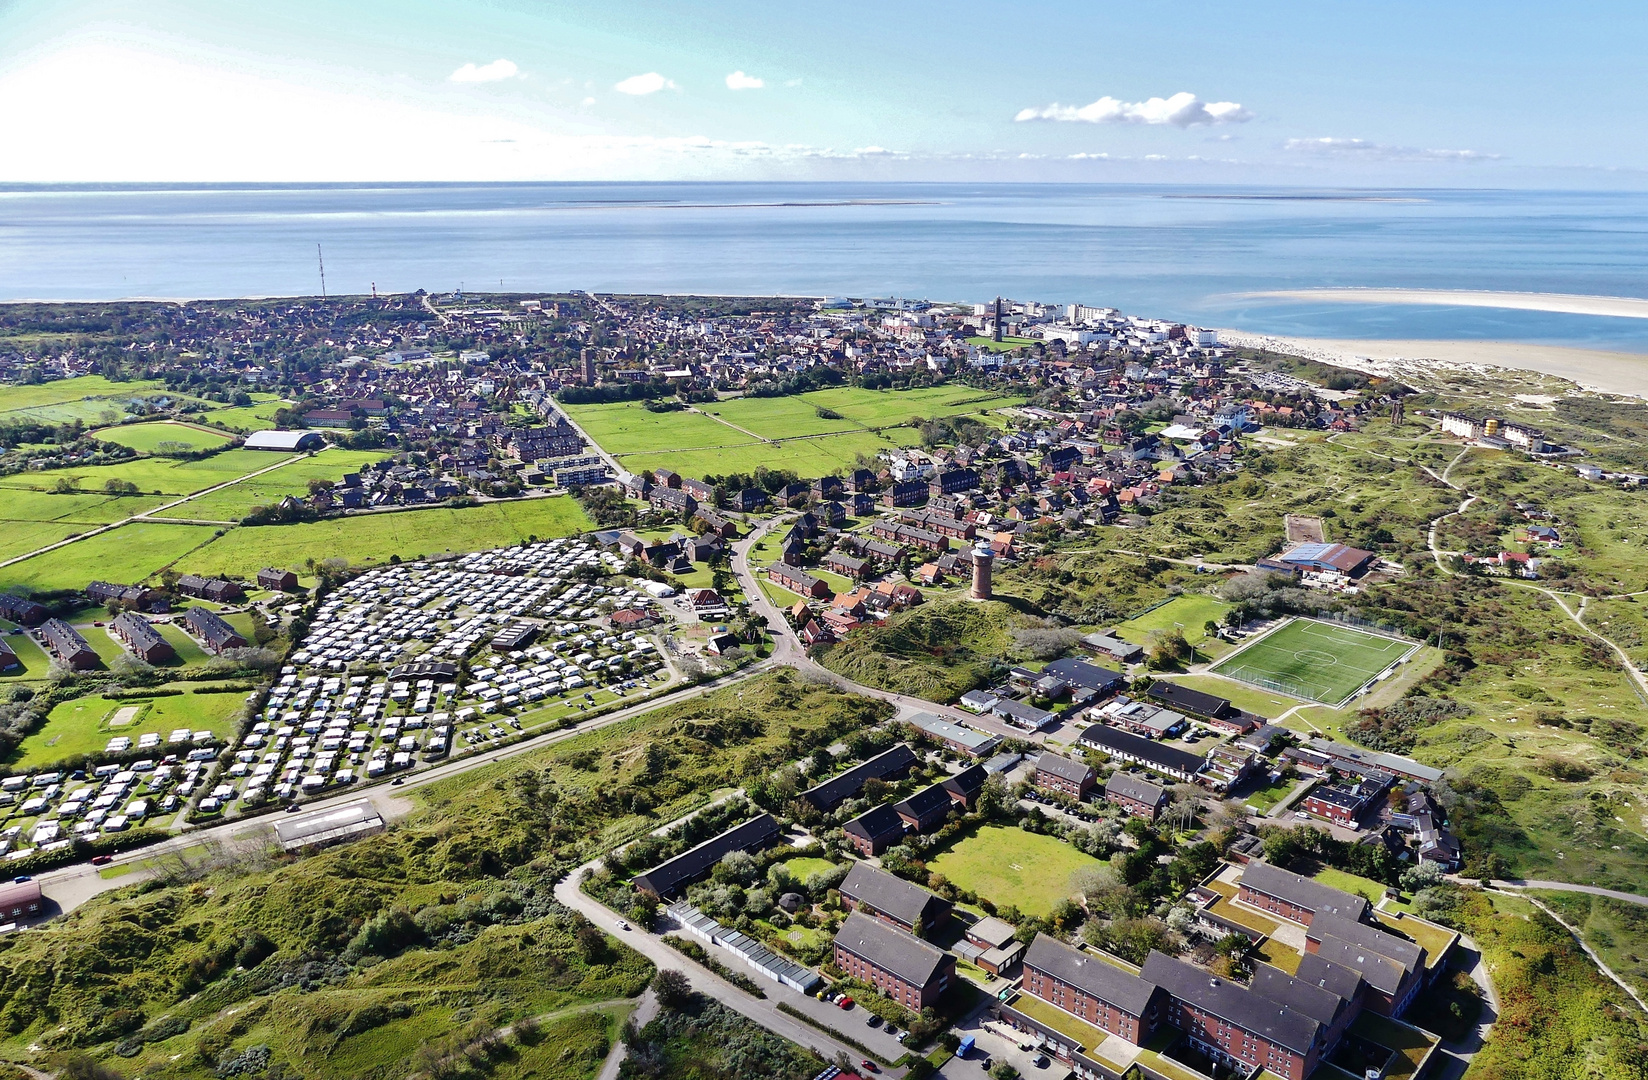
[215,634]
[906,969]
[960,739]
[926,809]
[217,590]
[1092,989]
[1056,773]
[905,493]
[22,611]
[1137,796]
[142,639]
[1295,898]
[1392,967]
[277,580]
[1234,1025]
[889,765]
[67,646]
[1115,648]
[875,830]
[1170,760]
[907,906]
[798,581]
[964,787]
[672,876]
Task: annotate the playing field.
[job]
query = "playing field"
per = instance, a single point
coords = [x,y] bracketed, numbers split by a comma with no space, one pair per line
[81,725]
[1314,660]
[1189,613]
[1011,866]
[148,438]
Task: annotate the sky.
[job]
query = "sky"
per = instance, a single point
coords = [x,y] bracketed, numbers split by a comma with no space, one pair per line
[1312,94]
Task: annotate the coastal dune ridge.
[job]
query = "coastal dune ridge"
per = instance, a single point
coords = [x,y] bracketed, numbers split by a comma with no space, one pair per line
[1622,307]
[1592,369]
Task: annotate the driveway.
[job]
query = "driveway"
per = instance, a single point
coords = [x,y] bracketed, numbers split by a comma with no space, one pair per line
[763,1011]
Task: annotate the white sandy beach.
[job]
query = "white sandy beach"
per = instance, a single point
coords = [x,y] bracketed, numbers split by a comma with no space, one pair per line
[1622,307]
[1594,369]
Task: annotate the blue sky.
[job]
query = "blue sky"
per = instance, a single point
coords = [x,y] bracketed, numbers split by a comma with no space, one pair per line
[1321,93]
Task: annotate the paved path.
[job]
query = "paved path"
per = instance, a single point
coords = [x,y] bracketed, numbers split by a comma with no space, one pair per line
[645,1010]
[763,1011]
[1592,953]
[1565,886]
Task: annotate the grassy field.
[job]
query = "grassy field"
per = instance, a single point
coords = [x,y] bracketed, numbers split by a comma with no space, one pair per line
[777,418]
[373,538]
[259,416]
[79,726]
[1189,613]
[808,457]
[938,651]
[806,866]
[1007,343]
[146,438]
[236,501]
[128,554]
[628,428]
[894,408]
[36,664]
[57,401]
[1617,930]
[1011,866]
[162,476]
[1315,660]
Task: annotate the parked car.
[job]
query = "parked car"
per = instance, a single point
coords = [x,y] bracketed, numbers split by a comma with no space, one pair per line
[102,860]
[846,1002]
[873,1021]
[869,1066]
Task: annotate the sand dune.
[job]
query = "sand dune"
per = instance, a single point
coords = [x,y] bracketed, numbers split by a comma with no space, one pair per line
[1623,307]
[1594,369]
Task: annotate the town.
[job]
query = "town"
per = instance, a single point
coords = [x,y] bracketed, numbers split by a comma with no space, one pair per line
[900,675]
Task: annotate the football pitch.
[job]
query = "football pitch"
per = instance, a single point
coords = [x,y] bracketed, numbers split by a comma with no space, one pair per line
[1314,660]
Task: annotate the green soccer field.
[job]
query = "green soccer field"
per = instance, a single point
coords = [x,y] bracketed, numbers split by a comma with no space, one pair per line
[1314,660]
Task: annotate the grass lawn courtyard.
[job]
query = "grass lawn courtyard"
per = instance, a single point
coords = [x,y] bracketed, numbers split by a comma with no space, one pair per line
[1007,865]
[1190,613]
[1315,660]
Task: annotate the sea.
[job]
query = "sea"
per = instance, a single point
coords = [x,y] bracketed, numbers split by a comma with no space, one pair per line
[1196,254]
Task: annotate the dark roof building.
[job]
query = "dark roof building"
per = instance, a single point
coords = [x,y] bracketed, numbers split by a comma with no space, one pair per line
[1235,1025]
[1296,898]
[67,645]
[1091,988]
[143,640]
[1074,778]
[964,787]
[875,830]
[905,905]
[672,875]
[887,765]
[1088,676]
[22,611]
[925,809]
[277,580]
[212,631]
[906,969]
[1186,700]
[1147,752]
[1135,794]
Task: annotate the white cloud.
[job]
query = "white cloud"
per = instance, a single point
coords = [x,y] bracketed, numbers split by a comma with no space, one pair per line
[494,72]
[740,81]
[1364,150]
[792,82]
[587,101]
[1181,110]
[640,85]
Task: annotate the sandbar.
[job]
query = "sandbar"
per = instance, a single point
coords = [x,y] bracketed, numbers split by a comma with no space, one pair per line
[1593,369]
[1622,307]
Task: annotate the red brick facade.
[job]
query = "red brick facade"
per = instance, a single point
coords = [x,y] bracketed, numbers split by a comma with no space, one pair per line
[1236,1044]
[911,997]
[1275,905]
[1079,1003]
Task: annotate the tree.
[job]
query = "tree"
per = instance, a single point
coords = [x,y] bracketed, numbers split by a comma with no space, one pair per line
[672,989]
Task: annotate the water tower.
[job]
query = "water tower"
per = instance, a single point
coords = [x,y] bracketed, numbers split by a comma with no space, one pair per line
[983,557]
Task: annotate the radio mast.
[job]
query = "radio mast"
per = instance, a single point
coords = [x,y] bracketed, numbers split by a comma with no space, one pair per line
[322,260]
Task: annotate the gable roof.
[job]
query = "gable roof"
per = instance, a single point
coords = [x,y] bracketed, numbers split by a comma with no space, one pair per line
[1063,767]
[1233,1003]
[1090,974]
[1302,891]
[906,957]
[1320,971]
[1128,786]
[968,782]
[881,821]
[1407,953]
[832,792]
[1315,1001]
[689,866]
[894,897]
[926,801]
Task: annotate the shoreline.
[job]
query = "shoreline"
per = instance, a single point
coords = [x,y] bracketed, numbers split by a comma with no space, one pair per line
[1617,307]
[1598,370]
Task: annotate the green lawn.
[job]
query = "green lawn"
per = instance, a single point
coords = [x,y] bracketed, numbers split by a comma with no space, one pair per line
[1367,888]
[128,554]
[79,726]
[236,501]
[36,664]
[1007,865]
[373,538]
[777,418]
[892,408]
[42,396]
[629,428]
[1261,702]
[1190,613]
[146,438]
[810,457]
[1006,344]
[1316,660]
[1266,797]
[806,866]
[151,475]
[259,416]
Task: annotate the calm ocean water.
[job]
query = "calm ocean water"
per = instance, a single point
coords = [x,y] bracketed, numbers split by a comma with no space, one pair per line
[1187,253]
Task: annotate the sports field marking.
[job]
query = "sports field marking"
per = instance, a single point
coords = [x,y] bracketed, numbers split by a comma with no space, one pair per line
[1316,661]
